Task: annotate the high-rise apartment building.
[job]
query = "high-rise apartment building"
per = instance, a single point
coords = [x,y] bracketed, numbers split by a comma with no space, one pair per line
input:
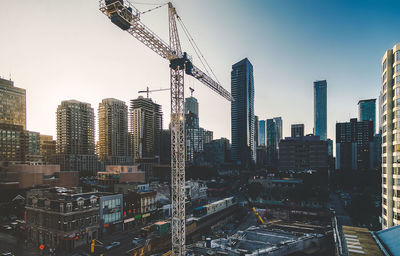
[113,132]
[12,104]
[390,137]
[261,133]
[75,137]
[145,129]
[367,111]
[297,130]
[242,113]
[47,147]
[355,148]
[320,114]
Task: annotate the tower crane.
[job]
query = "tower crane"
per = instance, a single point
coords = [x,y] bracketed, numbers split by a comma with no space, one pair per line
[127,17]
[148,91]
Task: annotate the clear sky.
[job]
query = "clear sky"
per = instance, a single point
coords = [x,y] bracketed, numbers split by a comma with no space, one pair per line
[59,50]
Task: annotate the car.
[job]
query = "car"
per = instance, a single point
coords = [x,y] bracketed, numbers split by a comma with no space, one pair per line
[112,245]
[7,254]
[137,241]
[7,227]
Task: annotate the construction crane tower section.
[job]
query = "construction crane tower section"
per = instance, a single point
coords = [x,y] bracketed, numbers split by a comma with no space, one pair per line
[127,17]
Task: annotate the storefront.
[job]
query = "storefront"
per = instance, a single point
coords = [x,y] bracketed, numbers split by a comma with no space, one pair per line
[111,213]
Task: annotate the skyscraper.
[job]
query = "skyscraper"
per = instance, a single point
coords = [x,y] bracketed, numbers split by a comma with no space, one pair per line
[297,130]
[242,113]
[113,132]
[145,129]
[75,137]
[261,133]
[320,101]
[194,134]
[390,137]
[256,132]
[274,127]
[367,111]
[279,130]
[12,104]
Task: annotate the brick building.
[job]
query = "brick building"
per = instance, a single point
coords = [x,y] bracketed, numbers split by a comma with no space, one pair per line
[62,218]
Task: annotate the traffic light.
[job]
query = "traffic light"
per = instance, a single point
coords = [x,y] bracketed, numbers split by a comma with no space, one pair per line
[92,246]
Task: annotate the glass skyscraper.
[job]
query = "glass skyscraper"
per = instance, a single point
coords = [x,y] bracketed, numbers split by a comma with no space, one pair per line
[242,113]
[320,93]
[261,133]
[366,111]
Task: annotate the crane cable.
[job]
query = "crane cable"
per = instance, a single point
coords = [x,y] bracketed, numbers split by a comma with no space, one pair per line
[152,9]
[194,45]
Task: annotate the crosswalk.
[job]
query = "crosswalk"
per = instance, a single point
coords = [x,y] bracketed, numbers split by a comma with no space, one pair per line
[353,244]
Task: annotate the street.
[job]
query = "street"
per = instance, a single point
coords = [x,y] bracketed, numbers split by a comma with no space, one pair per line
[341,214]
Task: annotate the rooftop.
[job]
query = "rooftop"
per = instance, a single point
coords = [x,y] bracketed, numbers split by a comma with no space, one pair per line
[359,241]
[390,239]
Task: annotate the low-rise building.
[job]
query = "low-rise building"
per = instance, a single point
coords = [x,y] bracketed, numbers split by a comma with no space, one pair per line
[303,153]
[115,174]
[111,207]
[139,208]
[62,218]
[22,176]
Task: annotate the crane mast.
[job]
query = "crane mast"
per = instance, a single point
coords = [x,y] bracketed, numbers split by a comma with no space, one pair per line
[127,17]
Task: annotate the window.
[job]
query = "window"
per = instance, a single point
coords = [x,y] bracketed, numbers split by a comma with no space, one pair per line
[384,87]
[397,90]
[397,68]
[384,97]
[384,77]
[397,55]
[384,105]
[397,80]
[384,65]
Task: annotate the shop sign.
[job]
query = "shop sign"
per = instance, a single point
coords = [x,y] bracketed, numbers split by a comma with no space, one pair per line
[129,220]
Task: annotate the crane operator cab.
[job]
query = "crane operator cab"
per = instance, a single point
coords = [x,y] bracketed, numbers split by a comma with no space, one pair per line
[119,14]
[183,63]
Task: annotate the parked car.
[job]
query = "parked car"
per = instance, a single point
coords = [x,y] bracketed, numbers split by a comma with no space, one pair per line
[7,254]
[137,241]
[112,245]
[7,227]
